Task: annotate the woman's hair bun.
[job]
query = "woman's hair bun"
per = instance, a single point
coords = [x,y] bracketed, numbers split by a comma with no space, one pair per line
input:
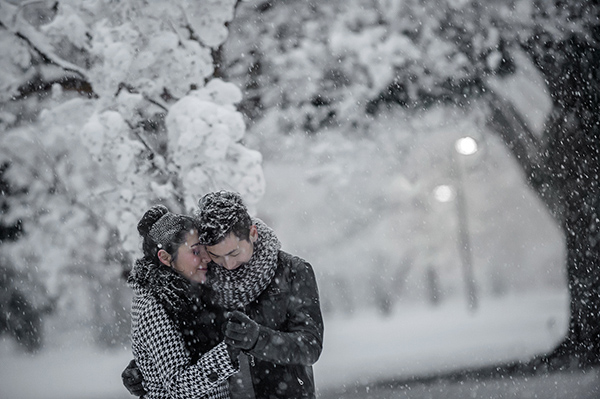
[150,217]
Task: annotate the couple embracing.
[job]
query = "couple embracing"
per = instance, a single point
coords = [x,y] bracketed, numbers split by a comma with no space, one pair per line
[219,310]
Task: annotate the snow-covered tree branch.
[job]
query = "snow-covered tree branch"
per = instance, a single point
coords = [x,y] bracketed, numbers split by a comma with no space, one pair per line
[153,124]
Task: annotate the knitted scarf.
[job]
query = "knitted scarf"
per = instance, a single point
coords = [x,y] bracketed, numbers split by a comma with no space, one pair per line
[234,289]
[189,305]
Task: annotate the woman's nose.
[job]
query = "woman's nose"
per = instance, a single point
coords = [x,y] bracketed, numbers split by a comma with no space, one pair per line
[204,256]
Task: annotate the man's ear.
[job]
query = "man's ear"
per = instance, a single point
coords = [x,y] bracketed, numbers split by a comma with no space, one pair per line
[253,233]
[164,257]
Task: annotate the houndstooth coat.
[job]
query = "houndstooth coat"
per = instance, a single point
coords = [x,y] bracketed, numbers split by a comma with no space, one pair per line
[161,355]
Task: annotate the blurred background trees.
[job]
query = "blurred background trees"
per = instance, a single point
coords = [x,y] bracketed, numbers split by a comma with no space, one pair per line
[107,108]
[342,65]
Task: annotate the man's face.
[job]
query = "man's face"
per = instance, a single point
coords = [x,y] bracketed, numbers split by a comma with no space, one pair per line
[232,252]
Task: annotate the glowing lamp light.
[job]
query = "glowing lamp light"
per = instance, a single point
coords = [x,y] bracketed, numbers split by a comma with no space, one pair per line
[466,146]
[443,193]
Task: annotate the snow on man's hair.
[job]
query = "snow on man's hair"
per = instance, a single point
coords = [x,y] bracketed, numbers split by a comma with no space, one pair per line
[220,213]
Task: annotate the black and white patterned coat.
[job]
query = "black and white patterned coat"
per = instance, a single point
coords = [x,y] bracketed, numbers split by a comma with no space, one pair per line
[162,357]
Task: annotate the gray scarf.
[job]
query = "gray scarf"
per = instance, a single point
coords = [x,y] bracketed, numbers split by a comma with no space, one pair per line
[234,289]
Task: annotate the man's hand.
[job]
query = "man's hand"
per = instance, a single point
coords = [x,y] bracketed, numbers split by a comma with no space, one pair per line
[132,379]
[241,331]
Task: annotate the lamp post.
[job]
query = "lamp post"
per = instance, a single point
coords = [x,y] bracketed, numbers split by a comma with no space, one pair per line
[464,146]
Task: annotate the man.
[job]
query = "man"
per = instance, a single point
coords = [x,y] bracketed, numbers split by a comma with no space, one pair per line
[275,317]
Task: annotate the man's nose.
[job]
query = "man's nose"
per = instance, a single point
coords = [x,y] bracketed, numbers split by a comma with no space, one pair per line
[229,263]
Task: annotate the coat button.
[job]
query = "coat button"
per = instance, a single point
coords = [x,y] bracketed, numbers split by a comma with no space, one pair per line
[212,377]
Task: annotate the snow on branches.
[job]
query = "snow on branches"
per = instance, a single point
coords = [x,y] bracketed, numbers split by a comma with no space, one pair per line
[153,126]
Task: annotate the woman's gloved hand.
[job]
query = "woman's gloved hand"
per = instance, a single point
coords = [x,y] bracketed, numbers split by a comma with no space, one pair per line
[132,379]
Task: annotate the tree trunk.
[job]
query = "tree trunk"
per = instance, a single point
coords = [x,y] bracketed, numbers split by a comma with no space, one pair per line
[564,171]
[573,156]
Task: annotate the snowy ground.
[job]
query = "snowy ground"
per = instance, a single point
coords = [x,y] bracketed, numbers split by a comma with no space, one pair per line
[365,348]
[421,340]
[560,385]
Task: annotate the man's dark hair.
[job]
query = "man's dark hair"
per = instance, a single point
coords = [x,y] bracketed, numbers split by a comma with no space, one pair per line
[220,213]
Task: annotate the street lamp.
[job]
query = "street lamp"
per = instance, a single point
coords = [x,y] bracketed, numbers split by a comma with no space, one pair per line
[465,146]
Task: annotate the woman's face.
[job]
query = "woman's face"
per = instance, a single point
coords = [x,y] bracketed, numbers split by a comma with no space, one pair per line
[192,259]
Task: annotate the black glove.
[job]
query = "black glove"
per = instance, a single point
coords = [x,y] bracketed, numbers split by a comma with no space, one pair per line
[132,379]
[241,331]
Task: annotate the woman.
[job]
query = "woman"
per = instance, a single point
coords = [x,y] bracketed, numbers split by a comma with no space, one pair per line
[176,333]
